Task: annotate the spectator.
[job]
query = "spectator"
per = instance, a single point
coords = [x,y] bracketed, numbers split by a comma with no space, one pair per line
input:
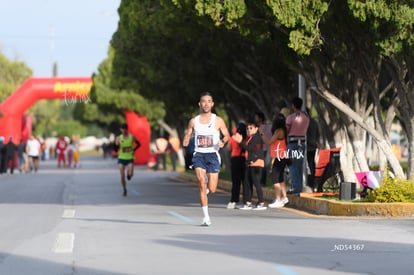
[61,146]
[33,149]
[161,145]
[265,129]
[22,156]
[297,125]
[279,155]
[70,151]
[173,149]
[255,163]
[3,155]
[237,165]
[11,149]
[76,154]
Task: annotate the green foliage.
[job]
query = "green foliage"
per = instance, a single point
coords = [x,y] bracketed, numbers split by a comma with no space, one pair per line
[167,52]
[219,11]
[107,104]
[12,74]
[65,128]
[46,115]
[393,22]
[392,190]
[299,18]
[302,19]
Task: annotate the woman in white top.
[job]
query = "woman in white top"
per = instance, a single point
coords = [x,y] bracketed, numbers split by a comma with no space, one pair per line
[33,151]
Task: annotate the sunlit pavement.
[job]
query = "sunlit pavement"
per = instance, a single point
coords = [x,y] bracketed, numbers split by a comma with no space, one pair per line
[76,221]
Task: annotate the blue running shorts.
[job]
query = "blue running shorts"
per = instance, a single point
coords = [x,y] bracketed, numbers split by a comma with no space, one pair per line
[210,162]
[125,162]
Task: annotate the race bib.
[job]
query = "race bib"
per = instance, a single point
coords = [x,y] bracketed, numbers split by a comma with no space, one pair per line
[204,141]
[126,149]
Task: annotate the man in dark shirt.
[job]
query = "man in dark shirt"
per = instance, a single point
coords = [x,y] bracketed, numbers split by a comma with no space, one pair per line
[11,149]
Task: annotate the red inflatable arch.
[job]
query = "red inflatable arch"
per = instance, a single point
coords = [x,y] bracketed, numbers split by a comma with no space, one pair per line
[72,90]
[139,127]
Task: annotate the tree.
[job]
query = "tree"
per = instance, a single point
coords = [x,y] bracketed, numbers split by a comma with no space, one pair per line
[106,104]
[251,51]
[302,21]
[173,55]
[393,23]
[46,116]
[12,74]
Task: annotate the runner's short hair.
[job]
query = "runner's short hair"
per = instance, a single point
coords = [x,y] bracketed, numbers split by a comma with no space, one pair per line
[206,94]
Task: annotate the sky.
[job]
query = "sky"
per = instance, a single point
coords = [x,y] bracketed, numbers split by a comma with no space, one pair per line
[73,33]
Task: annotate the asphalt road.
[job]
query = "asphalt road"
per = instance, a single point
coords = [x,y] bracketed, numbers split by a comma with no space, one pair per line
[75,221]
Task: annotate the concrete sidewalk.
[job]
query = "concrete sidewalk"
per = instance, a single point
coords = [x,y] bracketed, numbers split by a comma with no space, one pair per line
[313,204]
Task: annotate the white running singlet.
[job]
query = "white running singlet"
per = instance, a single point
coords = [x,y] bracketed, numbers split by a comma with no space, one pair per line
[206,135]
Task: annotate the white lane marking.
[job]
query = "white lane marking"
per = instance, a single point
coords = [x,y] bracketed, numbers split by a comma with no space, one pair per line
[181,217]
[64,243]
[285,270]
[68,213]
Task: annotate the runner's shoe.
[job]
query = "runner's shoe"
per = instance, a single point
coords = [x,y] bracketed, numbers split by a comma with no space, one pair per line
[206,222]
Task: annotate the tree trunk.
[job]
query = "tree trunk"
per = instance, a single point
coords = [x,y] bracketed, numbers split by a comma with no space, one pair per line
[381,141]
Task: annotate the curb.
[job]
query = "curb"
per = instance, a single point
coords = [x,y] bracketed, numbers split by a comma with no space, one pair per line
[320,206]
[314,205]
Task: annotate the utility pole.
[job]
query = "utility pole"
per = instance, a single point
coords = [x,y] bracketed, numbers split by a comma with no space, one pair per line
[302,94]
[52,52]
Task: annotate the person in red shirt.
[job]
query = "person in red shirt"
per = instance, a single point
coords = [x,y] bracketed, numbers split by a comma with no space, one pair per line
[61,146]
[254,166]
[237,165]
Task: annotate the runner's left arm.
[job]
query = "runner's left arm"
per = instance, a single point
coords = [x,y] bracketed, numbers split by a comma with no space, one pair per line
[225,132]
